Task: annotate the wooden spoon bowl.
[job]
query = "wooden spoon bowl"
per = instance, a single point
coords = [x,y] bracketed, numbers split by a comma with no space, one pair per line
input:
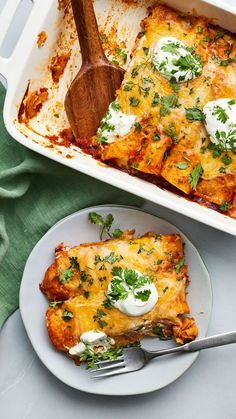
[94,88]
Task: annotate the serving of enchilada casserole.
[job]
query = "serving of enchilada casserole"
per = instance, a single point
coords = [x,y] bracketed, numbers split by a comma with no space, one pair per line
[112,293]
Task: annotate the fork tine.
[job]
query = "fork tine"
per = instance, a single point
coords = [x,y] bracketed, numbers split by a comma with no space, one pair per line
[108,367]
[109,361]
[120,370]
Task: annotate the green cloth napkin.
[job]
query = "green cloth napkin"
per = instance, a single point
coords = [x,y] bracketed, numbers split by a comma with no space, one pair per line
[35,193]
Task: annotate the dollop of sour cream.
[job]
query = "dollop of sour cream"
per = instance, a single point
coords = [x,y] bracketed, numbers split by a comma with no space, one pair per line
[92,340]
[173,59]
[220,122]
[115,124]
[132,293]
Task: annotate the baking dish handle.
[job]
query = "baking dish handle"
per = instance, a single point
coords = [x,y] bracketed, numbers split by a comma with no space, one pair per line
[5,20]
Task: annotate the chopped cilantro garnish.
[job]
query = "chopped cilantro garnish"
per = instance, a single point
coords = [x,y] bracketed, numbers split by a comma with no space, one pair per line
[179,265]
[158,330]
[226,159]
[182,165]
[83,276]
[134,101]
[143,295]
[67,315]
[158,262]
[117,233]
[225,63]
[97,259]
[222,169]
[220,113]
[146,50]
[127,281]
[156,136]
[115,106]
[112,258]
[219,35]
[74,263]
[102,323]
[168,102]
[171,132]
[138,127]
[194,114]
[175,85]
[54,304]
[200,29]
[225,206]
[107,304]
[128,86]
[66,275]
[207,39]
[119,54]
[165,289]
[156,100]
[195,175]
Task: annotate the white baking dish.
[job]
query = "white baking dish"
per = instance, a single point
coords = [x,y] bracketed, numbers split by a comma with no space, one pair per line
[28,62]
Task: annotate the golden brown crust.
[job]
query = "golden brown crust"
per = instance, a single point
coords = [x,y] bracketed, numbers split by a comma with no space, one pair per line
[186,331]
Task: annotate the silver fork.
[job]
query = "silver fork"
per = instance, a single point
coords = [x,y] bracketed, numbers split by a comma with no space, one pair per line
[134,358]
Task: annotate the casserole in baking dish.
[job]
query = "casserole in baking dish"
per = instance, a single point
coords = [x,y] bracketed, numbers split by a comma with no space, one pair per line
[44,129]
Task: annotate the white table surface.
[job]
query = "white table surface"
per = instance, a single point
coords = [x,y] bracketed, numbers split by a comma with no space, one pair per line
[207,390]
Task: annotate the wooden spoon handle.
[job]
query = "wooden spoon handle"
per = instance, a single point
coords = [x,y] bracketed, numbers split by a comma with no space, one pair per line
[87,28]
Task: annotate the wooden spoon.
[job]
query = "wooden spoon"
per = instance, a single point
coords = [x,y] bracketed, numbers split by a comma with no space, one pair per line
[93,89]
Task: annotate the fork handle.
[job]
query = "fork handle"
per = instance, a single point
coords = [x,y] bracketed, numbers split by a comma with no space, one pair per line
[205,343]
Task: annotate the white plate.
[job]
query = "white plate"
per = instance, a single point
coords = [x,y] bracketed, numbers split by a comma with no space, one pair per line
[76,229]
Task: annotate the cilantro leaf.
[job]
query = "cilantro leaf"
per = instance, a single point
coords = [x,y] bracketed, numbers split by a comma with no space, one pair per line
[102,323]
[220,113]
[225,206]
[54,304]
[117,233]
[156,100]
[103,222]
[195,175]
[128,86]
[182,165]
[158,330]
[112,258]
[67,315]
[115,106]
[130,277]
[175,85]
[179,265]
[117,271]
[171,132]
[118,290]
[134,101]
[66,275]
[194,114]
[168,102]
[74,263]
[143,295]
[146,50]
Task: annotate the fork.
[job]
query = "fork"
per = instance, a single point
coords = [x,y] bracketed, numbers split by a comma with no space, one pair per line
[135,358]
